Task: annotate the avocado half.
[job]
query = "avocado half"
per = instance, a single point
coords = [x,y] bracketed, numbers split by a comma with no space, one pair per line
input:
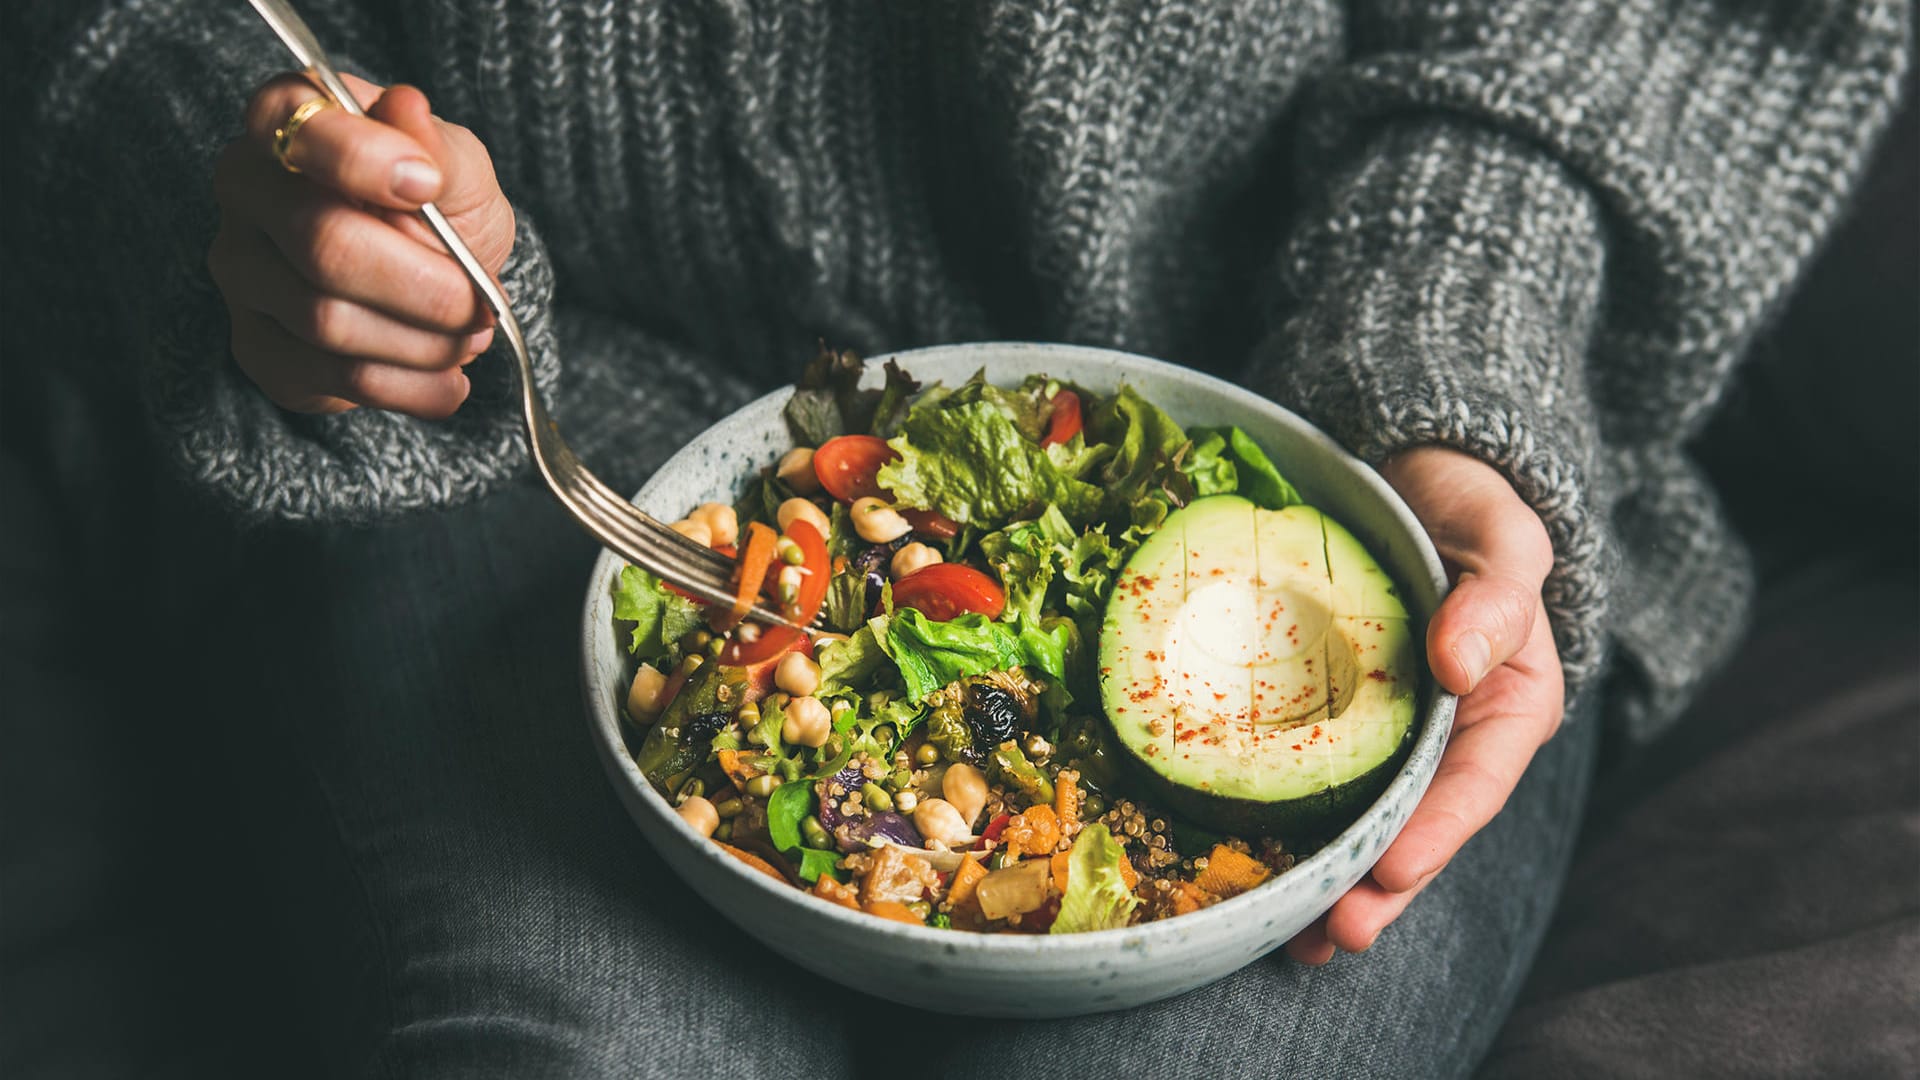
[1259,668]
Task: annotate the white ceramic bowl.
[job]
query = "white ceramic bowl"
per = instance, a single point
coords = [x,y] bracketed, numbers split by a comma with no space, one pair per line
[1018,974]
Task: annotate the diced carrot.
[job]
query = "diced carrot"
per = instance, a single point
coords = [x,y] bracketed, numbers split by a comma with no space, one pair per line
[834,891]
[1033,831]
[738,765]
[1230,873]
[1066,801]
[1189,898]
[965,878]
[892,909]
[754,861]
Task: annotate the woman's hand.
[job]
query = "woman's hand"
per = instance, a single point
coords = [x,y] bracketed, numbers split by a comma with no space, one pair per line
[1489,643]
[340,295]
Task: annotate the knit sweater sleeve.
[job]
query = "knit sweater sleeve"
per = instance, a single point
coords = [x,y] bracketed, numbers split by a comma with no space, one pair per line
[1542,231]
[127,108]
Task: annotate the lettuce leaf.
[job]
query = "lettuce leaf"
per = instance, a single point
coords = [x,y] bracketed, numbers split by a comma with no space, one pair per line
[846,605]
[932,654]
[1145,439]
[1260,482]
[849,665]
[659,617]
[1097,897]
[828,400]
[1026,555]
[969,462]
[1208,467]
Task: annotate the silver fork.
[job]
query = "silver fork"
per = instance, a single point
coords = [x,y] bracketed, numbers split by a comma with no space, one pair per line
[619,525]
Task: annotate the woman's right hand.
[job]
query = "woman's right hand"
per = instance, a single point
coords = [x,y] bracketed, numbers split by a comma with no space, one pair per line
[340,295]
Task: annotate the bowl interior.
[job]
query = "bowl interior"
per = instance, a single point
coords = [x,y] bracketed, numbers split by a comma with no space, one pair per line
[1035,975]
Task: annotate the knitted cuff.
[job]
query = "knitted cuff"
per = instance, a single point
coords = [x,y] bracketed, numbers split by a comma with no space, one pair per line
[1443,293]
[361,465]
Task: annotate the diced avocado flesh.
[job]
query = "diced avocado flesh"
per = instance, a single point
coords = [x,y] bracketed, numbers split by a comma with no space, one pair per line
[1258,665]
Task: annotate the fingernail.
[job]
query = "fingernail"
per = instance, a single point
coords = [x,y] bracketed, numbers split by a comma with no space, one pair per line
[1474,652]
[478,342]
[415,180]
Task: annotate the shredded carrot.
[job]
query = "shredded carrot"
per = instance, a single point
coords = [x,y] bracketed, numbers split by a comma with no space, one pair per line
[892,909]
[755,558]
[1066,801]
[754,861]
[834,891]
[1230,873]
[966,877]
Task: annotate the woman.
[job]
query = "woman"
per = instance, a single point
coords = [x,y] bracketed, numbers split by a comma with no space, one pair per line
[1508,251]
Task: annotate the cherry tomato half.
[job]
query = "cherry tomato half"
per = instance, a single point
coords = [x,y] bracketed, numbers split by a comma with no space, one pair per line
[948,590]
[849,467]
[1064,423]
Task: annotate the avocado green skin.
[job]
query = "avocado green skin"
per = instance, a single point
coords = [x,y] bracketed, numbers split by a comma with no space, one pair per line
[1312,818]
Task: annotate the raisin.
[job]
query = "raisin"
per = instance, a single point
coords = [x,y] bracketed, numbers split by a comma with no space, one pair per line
[993,714]
[706,725]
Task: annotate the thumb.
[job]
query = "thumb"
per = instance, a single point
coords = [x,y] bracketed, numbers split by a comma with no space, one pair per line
[1485,620]
[470,194]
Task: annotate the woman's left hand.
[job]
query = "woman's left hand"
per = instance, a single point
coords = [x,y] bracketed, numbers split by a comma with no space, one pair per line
[1489,643]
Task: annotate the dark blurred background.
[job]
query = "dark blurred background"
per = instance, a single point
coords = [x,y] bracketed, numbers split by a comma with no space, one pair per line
[150,864]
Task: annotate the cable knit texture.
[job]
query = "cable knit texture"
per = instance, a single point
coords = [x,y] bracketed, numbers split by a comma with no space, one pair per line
[1541,231]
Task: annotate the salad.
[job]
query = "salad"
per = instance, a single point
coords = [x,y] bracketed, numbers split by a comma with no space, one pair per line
[1084,667]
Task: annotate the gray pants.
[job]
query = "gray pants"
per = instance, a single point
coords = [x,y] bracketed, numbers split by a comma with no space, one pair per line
[497,914]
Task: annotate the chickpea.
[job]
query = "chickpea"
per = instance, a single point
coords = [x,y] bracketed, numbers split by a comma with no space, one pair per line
[803,510]
[797,675]
[807,723]
[643,697]
[966,789]
[876,522]
[696,531]
[912,557]
[700,814]
[906,801]
[796,471]
[938,820]
[721,522]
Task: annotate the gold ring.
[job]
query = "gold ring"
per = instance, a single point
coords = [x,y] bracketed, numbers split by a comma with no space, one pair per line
[283,135]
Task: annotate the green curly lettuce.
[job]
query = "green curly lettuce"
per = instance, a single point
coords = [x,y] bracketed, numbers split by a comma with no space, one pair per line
[969,462]
[660,617]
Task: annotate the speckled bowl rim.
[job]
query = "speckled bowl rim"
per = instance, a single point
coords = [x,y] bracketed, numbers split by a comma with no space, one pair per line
[1409,783]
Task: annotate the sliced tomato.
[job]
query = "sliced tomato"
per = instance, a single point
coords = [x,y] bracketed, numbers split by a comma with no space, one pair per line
[991,834]
[771,642]
[758,681]
[813,585]
[1064,423]
[948,590]
[848,465]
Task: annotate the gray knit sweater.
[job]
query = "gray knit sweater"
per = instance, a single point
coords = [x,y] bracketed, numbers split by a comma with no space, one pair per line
[1539,230]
